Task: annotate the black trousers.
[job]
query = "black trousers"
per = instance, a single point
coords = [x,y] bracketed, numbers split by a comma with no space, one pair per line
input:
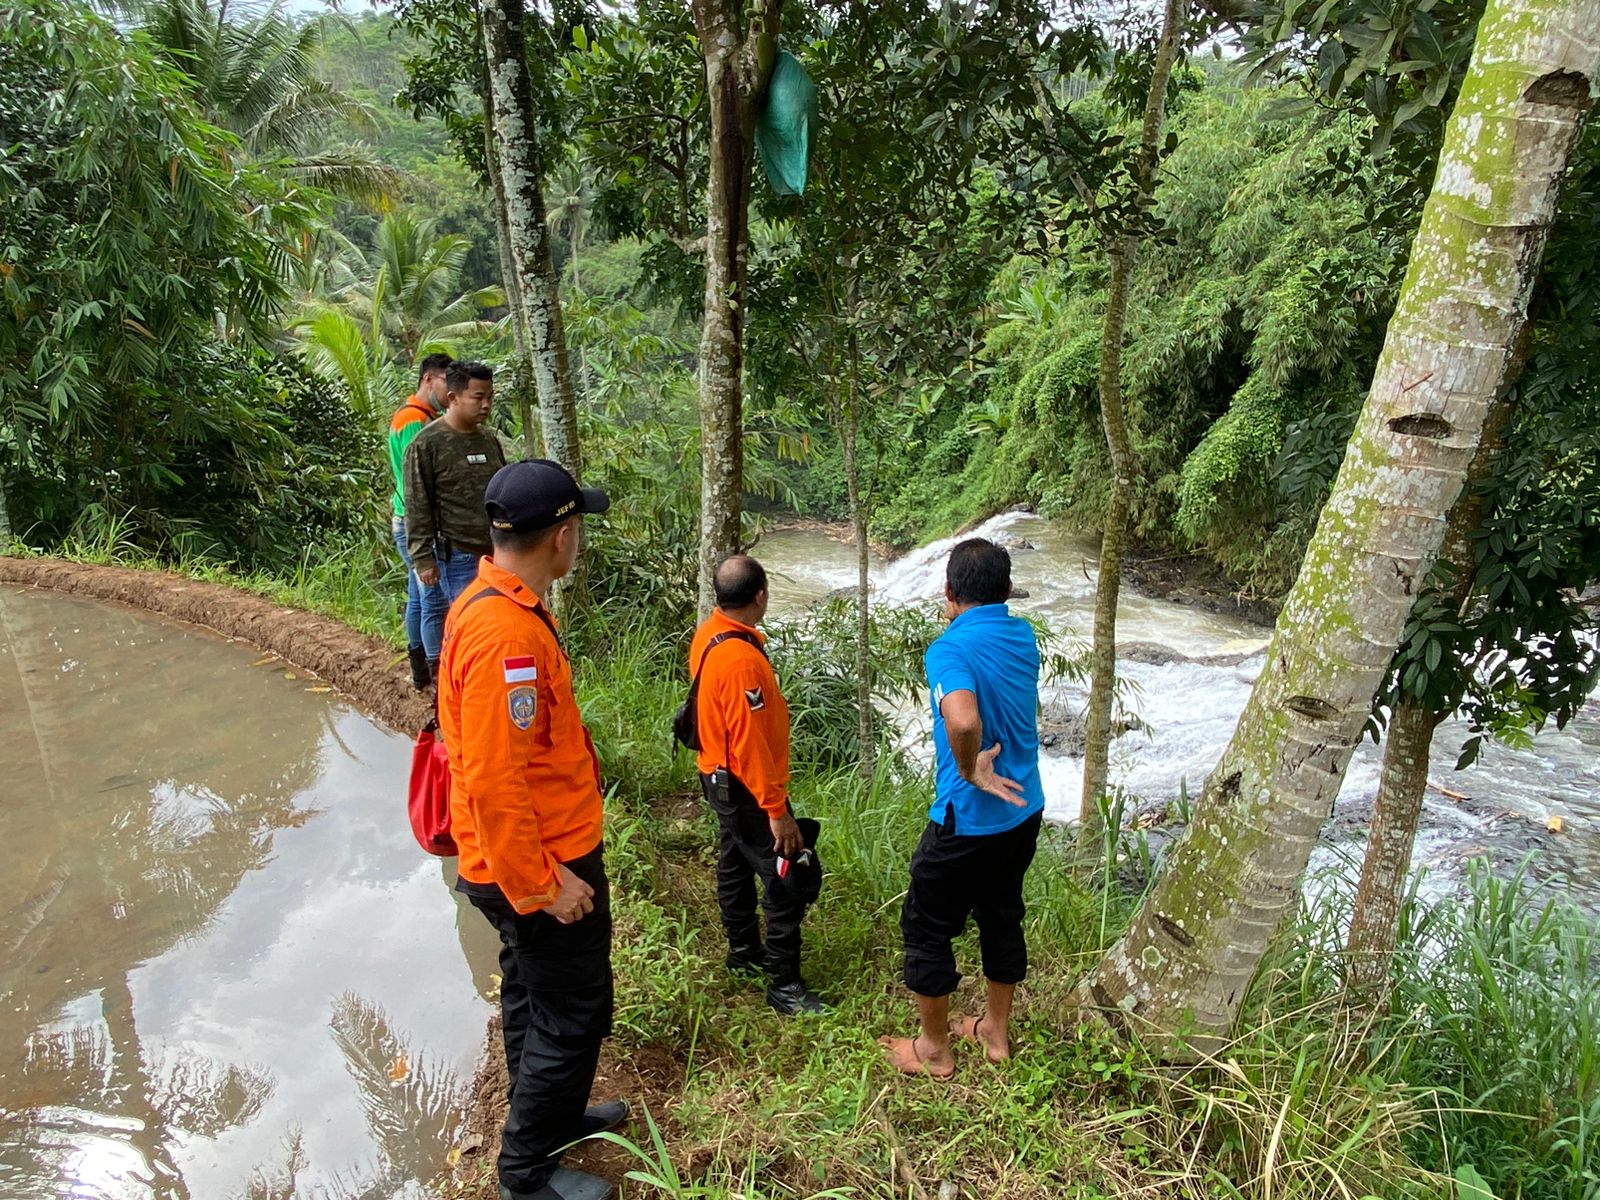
[954,877]
[555,1005]
[745,854]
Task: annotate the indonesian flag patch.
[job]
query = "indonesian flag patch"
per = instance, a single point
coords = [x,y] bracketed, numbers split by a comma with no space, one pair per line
[521,670]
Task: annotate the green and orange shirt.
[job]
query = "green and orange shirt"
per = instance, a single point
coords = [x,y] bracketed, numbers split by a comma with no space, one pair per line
[406,423]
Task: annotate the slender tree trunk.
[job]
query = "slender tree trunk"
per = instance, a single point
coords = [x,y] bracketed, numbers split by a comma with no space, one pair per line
[738,61]
[1123,252]
[1113,539]
[5,517]
[1387,862]
[516,137]
[1182,970]
[1397,811]
[522,370]
[850,431]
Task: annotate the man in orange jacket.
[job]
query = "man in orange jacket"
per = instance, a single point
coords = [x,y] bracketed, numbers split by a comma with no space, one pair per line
[525,812]
[743,724]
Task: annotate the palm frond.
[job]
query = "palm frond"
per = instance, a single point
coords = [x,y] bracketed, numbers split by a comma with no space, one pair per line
[348,171]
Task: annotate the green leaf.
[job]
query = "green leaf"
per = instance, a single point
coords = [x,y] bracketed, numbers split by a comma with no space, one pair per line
[1470,1185]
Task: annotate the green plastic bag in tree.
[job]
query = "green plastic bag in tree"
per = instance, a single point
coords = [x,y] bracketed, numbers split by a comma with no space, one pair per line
[783,130]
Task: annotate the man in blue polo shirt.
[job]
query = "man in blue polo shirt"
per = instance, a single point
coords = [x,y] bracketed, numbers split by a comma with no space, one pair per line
[983,826]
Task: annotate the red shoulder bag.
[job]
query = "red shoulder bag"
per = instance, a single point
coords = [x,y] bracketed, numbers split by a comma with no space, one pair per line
[429,800]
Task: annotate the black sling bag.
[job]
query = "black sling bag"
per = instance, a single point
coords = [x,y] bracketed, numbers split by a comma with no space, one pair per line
[686,721]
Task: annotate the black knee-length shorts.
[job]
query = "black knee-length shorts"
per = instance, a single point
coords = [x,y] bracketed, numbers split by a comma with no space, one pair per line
[954,877]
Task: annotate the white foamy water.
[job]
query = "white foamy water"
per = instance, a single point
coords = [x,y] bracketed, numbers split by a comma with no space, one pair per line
[1190,708]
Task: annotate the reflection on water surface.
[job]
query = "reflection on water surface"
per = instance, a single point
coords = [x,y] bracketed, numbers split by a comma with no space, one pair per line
[225,967]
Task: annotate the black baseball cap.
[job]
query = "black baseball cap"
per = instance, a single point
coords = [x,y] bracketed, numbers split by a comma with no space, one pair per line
[535,494]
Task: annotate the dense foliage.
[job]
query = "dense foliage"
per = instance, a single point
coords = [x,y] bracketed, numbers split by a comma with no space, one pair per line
[143,268]
[1259,315]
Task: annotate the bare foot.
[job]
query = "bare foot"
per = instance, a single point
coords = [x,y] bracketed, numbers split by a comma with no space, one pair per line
[904,1056]
[995,1045]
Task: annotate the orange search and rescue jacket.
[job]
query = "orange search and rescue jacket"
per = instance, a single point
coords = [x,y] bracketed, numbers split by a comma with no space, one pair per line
[743,718]
[524,779]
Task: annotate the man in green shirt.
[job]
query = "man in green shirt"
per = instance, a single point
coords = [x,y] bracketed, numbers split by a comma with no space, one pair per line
[446,470]
[406,423]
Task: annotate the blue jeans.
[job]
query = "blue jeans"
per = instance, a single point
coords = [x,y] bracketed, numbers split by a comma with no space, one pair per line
[413,609]
[457,570]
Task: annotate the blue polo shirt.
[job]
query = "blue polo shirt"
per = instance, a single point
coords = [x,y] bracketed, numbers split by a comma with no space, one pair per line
[993,655]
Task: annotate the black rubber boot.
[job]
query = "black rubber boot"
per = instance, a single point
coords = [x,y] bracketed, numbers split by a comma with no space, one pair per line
[565,1184]
[433,670]
[421,673]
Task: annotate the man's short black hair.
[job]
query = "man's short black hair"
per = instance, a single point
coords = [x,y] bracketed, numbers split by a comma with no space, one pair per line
[522,541]
[979,572]
[458,374]
[738,581]
[433,364]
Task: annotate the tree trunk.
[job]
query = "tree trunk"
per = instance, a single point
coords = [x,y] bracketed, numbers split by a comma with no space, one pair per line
[1387,862]
[738,64]
[5,517]
[522,369]
[1397,811]
[849,431]
[516,137]
[1113,538]
[1182,969]
[1122,251]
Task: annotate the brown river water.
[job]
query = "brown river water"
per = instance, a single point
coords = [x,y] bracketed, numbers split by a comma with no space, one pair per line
[1540,803]
[226,970]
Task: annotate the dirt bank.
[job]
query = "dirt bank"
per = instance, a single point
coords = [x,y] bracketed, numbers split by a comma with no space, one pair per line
[364,669]
[1195,581]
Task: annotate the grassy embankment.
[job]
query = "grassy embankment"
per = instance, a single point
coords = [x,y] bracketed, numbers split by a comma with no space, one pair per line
[1475,1078]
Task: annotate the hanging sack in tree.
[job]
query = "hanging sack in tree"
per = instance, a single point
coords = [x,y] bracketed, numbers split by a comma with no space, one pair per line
[784,128]
[429,801]
[686,721]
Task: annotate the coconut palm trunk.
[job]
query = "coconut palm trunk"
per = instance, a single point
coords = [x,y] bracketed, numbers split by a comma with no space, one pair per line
[1181,972]
[1122,251]
[521,172]
[739,42]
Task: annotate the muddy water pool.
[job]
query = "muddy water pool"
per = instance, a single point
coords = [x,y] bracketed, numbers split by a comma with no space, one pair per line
[226,970]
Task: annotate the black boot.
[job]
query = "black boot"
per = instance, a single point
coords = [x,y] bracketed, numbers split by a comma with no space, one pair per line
[746,956]
[598,1118]
[787,992]
[433,670]
[565,1184]
[421,674]
[793,998]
